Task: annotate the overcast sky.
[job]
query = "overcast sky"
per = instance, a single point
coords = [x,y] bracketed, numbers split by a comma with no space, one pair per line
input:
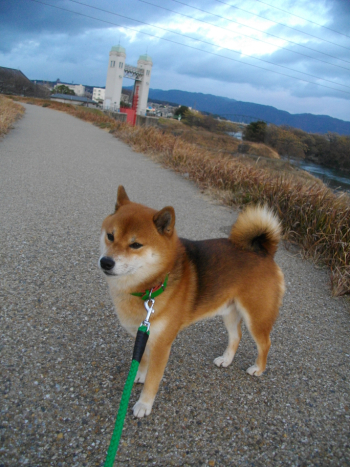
[207,46]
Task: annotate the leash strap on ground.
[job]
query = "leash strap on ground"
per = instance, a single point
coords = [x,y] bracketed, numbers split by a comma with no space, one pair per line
[139,348]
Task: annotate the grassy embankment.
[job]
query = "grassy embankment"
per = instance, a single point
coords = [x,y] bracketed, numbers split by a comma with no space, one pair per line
[312,215]
[9,112]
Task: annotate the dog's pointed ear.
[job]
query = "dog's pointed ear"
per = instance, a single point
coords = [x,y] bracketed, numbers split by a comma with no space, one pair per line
[164,220]
[122,197]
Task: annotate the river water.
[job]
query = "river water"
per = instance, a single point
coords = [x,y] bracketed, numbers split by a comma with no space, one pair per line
[334,178]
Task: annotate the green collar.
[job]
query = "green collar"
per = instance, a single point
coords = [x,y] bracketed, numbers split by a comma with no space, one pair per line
[153,292]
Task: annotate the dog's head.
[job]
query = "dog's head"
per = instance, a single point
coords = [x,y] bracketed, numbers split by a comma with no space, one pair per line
[137,242]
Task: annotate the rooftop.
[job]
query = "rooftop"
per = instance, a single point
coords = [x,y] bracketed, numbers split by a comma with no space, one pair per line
[118,48]
[69,97]
[146,58]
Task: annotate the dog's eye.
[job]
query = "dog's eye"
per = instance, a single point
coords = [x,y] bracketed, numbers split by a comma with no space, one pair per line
[110,237]
[135,246]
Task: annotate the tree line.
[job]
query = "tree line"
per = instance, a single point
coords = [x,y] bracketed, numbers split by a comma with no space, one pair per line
[63,89]
[330,150]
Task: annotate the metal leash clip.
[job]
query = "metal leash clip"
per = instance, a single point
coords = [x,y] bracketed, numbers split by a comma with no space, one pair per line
[149,309]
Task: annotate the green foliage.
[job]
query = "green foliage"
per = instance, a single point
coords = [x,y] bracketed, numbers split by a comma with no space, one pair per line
[181,111]
[338,152]
[255,131]
[62,89]
[330,150]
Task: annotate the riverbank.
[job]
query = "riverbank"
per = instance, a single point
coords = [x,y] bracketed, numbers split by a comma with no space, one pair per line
[334,178]
[328,150]
[313,216]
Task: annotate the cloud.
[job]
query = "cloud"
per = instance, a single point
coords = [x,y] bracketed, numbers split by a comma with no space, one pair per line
[47,43]
[339,16]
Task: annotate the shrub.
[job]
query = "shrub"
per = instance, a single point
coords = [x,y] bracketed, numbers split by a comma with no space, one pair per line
[181,111]
[255,131]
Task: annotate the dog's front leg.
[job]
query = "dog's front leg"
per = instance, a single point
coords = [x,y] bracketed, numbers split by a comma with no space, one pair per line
[158,357]
[143,367]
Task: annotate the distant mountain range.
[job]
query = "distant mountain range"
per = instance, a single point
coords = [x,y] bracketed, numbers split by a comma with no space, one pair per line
[247,111]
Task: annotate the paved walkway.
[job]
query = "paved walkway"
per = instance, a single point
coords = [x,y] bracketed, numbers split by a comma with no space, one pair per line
[64,357]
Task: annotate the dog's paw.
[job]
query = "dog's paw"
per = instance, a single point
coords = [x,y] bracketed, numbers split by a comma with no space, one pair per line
[141,409]
[223,361]
[254,370]
[140,377]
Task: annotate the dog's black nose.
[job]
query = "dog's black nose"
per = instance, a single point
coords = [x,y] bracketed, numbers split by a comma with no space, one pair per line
[107,263]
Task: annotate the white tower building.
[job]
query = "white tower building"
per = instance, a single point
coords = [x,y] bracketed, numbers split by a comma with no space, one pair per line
[117,69]
[145,63]
[115,76]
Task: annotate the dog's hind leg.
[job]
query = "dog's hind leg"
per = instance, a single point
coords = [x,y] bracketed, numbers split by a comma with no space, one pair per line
[260,331]
[263,344]
[232,321]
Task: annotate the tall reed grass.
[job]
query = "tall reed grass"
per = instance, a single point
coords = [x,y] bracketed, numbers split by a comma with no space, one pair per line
[9,112]
[312,216]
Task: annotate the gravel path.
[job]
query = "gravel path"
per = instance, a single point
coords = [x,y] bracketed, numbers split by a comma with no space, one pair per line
[65,358]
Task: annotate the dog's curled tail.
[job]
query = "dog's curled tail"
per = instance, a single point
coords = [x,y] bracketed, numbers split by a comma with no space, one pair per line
[257,229]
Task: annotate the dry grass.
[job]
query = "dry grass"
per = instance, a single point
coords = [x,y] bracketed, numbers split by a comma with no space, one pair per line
[203,138]
[258,149]
[216,142]
[9,113]
[312,215]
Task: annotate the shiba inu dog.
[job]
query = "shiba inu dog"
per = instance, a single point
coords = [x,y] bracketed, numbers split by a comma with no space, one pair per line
[236,278]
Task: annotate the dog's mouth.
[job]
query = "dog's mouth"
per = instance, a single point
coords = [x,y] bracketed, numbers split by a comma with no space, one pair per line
[109,273]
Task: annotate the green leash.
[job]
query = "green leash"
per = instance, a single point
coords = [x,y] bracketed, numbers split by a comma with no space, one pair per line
[139,348]
[140,345]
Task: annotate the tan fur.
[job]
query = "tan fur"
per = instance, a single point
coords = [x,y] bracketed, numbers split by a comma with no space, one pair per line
[236,278]
[257,222]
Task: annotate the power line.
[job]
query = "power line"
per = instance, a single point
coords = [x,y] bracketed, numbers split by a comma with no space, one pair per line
[206,42]
[281,24]
[259,30]
[241,34]
[189,46]
[301,17]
